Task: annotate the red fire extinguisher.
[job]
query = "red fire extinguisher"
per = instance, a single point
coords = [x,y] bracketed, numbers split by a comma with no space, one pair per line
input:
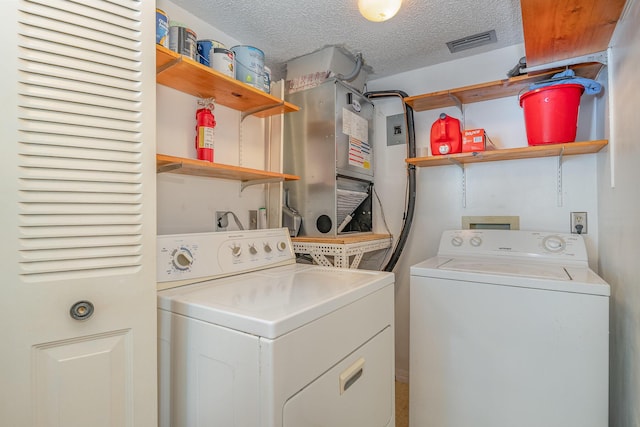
[205,122]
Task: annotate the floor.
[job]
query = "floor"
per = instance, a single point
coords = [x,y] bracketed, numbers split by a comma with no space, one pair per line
[402,404]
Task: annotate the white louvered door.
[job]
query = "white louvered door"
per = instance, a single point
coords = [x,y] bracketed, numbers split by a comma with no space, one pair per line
[77,165]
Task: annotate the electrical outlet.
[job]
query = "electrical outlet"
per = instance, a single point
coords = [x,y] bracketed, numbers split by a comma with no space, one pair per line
[222,221]
[253,219]
[578,222]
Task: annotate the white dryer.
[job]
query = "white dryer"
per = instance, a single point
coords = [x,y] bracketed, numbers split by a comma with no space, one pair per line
[508,328]
[249,338]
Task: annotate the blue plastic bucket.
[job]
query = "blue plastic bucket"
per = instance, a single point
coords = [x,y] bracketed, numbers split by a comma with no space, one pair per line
[249,65]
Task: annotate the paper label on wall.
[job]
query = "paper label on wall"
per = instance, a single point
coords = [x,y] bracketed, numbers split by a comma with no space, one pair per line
[354,125]
[359,153]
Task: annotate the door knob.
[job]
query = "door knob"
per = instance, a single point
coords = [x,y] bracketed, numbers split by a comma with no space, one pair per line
[81,310]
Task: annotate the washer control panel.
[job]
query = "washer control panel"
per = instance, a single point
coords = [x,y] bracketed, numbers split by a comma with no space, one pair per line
[210,255]
[513,243]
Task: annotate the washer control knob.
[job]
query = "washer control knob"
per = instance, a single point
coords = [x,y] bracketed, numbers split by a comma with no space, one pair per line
[252,249]
[282,246]
[236,250]
[267,247]
[182,259]
[554,243]
[476,241]
[457,241]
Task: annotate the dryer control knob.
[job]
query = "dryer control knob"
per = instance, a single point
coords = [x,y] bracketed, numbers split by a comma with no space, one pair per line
[282,246]
[252,249]
[267,247]
[457,241]
[182,259]
[236,250]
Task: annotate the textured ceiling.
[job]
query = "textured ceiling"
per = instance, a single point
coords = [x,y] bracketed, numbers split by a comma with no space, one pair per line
[414,38]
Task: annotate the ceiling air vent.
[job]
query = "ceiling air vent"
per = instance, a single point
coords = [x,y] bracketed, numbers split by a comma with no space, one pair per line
[470,42]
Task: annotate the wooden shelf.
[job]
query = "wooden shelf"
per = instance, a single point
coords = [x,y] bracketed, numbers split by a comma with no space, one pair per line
[341,248]
[343,239]
[492,90]
[203,168]
[548,150]
[181,73]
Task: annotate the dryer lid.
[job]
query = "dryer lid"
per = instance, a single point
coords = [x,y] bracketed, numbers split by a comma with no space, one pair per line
[272,302]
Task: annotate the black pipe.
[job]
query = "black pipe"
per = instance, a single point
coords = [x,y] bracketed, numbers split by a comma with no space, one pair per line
[411,170]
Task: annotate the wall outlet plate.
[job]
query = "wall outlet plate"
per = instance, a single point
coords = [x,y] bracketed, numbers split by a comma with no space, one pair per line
[578,223]
[221,220]
[253,219]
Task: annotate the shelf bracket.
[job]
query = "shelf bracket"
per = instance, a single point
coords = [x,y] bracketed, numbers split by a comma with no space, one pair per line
[559,177]
[246,184]
[464,179]
[600,57]
[169,64]
[457,101]
[168,167]
[248,113]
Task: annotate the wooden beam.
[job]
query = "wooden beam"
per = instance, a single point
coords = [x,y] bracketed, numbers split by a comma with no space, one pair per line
[557,30]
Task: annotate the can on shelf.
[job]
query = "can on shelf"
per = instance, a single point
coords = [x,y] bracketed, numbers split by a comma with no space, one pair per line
[183,40]
[223,60]
[162,28]
[249,65]
[267,79]
[205,50]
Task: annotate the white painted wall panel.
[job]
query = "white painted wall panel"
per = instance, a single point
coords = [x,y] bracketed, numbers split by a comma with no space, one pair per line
[619,207]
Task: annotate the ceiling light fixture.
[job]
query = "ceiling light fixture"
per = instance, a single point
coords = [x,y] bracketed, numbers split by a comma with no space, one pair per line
[379,10]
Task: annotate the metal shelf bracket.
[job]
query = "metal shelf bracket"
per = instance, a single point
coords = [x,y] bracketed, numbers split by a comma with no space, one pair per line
[246,184]
[464,179]
[168,167]
[559,177]
[457,102]
[168,65]
[248,113]
[600,57]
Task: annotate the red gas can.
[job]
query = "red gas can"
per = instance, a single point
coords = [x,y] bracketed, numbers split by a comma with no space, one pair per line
[205,122]
[446,136]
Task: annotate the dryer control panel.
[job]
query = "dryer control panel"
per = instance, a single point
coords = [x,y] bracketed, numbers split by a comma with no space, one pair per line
[193,256]
[514,244]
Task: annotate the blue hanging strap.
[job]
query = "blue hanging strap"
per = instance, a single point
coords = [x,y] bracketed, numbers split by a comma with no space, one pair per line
[591,87]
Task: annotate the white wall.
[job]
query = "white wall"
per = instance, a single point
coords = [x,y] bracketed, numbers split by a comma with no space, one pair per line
[188,204]
[525,188]
[619,209]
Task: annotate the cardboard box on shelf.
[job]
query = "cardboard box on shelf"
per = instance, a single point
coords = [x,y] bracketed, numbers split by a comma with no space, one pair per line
[473,140]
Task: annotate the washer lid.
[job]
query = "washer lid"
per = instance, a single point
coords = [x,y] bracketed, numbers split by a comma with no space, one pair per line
[541,271]
[272,302]
[500,271]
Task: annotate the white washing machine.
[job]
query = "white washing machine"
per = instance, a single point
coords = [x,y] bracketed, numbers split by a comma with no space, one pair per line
[508,328]
[249,338]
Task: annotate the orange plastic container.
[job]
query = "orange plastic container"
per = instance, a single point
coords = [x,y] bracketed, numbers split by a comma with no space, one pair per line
[551,113]
[446,136]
